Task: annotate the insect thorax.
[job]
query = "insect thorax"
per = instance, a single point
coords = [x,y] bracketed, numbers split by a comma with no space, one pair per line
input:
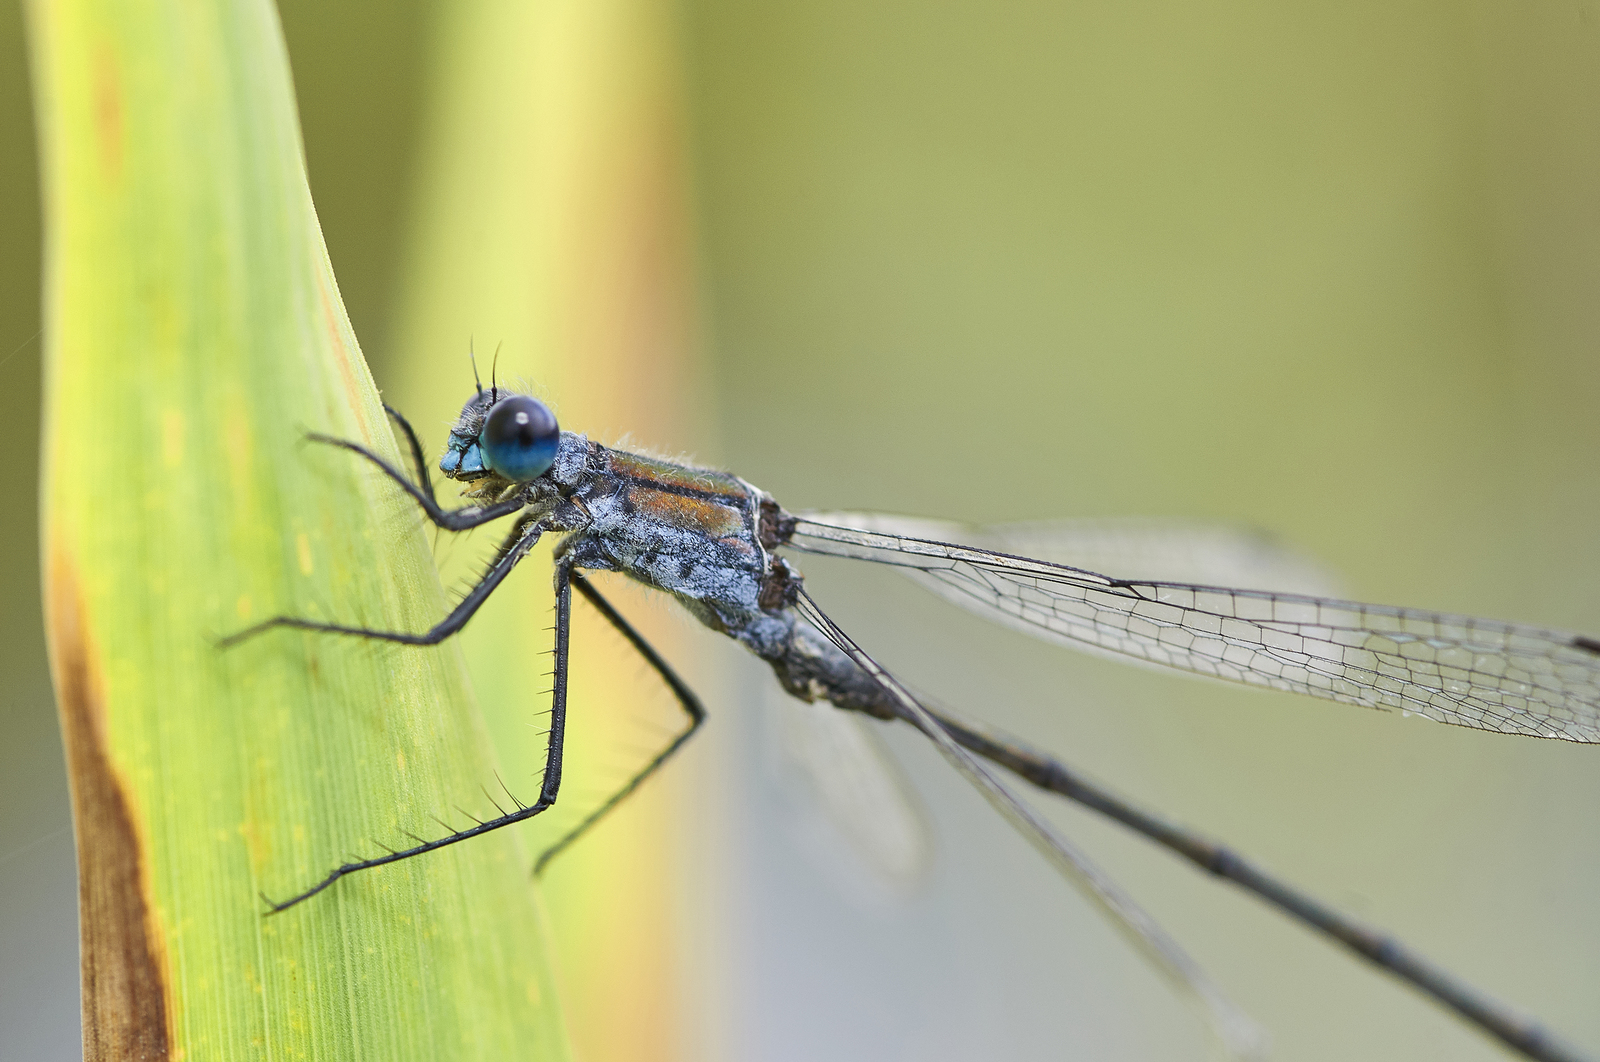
[694,533]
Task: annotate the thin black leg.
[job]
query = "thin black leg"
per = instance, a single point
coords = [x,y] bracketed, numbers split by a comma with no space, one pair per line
[552,765]
[419,462]
[462,519]
[686,697]
[524,536]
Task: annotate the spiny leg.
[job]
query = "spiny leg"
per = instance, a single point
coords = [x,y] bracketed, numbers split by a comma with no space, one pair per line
[414,446]
[524,536]
[419,462]
[462,519]
[552,764]
[686,697]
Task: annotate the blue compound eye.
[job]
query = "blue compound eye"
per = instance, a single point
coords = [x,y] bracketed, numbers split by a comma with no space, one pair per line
[519,438]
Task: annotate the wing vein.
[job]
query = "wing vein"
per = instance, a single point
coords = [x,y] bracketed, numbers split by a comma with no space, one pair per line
[1462,670]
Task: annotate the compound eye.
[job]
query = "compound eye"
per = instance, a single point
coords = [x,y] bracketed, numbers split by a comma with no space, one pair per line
[519,438]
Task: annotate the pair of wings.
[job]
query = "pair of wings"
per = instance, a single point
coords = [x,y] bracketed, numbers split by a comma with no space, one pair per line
[1274,632]
[1283,630]
[1176,608]
[1286,629]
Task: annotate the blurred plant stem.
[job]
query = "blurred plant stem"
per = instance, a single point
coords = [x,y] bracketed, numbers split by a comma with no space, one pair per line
[551,227]
[193,331]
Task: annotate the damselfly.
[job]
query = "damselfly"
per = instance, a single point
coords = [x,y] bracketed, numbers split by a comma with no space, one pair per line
[713,542]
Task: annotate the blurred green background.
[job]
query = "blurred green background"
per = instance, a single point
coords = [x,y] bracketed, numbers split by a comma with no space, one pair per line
[1329,271]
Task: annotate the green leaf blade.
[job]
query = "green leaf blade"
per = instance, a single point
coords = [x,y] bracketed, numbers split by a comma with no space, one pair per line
[194,332]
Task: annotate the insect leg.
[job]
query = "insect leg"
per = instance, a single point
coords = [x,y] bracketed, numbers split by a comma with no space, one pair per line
[552,765]
[686,697]
[450,519]
[524,536]
[419,463]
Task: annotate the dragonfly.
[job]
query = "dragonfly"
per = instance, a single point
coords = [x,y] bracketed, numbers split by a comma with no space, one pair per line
[716,543]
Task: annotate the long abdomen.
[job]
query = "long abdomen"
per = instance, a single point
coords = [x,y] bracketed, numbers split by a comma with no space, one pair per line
[812,668]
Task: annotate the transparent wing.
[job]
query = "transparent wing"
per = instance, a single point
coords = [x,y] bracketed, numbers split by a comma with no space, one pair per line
[855,786]
[1166,550]
[1236,1033]
[1471,672]
[1170,551]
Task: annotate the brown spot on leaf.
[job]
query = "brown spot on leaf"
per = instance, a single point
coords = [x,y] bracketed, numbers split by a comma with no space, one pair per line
[125,1006]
